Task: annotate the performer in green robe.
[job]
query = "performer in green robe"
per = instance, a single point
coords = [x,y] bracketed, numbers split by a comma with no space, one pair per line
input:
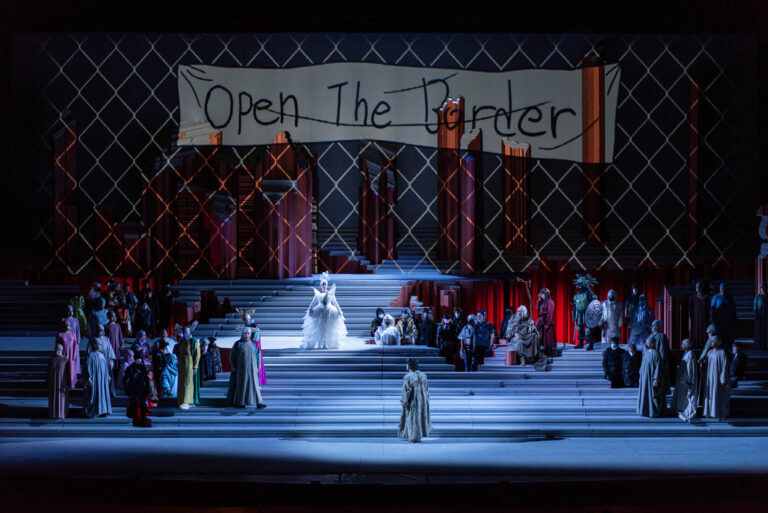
[188,353]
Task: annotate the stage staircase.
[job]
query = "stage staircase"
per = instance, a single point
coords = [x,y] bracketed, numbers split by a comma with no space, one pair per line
[357,393]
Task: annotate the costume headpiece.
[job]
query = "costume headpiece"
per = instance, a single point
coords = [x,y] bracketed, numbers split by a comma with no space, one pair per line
[586,281]
[325,277]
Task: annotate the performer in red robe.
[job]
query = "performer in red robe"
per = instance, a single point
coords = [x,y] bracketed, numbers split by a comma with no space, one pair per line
[71,350]
[545,308]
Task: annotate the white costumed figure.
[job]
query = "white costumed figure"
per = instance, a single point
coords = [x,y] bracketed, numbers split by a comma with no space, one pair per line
[324,322]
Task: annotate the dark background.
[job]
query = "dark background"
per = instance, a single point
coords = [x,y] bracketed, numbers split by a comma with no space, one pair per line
[52,52]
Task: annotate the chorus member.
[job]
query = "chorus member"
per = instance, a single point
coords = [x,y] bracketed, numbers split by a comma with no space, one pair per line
[71,350]
[94,298]
[137,388]
[144,319]
[711,334]
[661,343]
[188,352]
[632,302]
[527,337]
[165,306]
[69,315]
[323,326]
[158,366]
[244,360]
[698,315]
[760,308]
[98,317]
[256,338]
[164,338]
[723,313]
[415,422]
[377,321]
[467,340]
[640,322]
[447,338]
[408,332]
[485,336]
[387,334]
[58,384]
[114,333]
[685,398]
[508,313]
[97,399]
[458,318]
[126,362]
[427,329]
[717,396]
[109,355]
[545,322]
[213,360]
[78,309]
[613,363]
[141,343]
[738,364]
[650,395]
[612,319]
[170,377]
[631,366]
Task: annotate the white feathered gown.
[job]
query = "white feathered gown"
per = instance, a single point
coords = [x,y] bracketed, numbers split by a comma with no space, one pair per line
[324,322]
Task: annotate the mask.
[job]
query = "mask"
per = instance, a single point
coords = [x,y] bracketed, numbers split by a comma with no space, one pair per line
[446,321]
[457,315]
[381,316]
[186,335]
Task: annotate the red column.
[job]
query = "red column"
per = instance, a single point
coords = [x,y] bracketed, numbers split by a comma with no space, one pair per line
[449,131]
[516,162]
[593,147]
[694,97]
[64,185]
[470,220]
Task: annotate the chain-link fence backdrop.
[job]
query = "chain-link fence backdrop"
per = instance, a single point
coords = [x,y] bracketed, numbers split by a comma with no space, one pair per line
[121,89]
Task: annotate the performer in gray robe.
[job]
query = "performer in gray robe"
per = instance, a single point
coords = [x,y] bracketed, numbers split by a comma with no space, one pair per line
[613,318]
[717,395]
[244,360]
[96,396]
[640,322]
[650,395]
[685,398]
[661,343]
[415,422]
[387,334]
[527,336]
[58,384]
[109,353]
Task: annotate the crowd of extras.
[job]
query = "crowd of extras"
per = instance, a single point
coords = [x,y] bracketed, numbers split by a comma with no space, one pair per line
[700,383]
[154,366]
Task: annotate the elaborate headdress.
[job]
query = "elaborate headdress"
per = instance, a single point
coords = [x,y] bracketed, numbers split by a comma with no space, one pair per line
[586,281]
[325,277]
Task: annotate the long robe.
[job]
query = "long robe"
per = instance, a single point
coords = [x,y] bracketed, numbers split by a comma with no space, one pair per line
[760,307]
[528,347]
[97,400]
[613,360]
[137,388]
[631,368]
[188,352]
[215,359]
[446,341]
[723,312]
[640,324]
[170,378]
[75,324]
[58,387]
[717,396]
[256,337]
[77,304]
[95,319]
[698,311]
[387,335]
[109,354]
[408,332]
[323,326]
[650,400]
[685,398]
[124,364]
[114,333]
[244,359]
[612,320]
[415,421]
[427,329]
[545,325]
[661,344]
[72,353]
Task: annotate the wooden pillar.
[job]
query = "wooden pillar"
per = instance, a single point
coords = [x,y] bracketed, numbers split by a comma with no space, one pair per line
[593,147]
[694,98]
[64,186]
[516,164]
[469,206]
[449,132]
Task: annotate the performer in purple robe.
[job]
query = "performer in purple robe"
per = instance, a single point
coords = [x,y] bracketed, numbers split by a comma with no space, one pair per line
[69,315]
[58,384]
[141,343]
[71,350]
[127,361]
[114,333]
[545,308]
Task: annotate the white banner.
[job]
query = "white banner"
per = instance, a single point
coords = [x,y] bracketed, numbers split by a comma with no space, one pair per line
[353,101]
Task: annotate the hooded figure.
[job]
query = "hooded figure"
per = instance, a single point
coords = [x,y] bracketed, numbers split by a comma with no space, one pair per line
[377,321]
[545,322]
[640,322]
[58,384]
[613,318]
[526,336]
[415,422]
[387,334]
[408,332]
[447,339]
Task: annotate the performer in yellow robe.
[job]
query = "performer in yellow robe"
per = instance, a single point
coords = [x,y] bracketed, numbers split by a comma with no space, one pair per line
[188,352]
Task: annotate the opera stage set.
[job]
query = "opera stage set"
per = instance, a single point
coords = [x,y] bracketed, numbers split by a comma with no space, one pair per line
[440,170]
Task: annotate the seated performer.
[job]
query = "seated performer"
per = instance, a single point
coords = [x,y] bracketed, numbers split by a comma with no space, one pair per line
[415,421]
[408,332]
[323,326]
[387,334]
[526,336]
[613,360]
[377,321]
